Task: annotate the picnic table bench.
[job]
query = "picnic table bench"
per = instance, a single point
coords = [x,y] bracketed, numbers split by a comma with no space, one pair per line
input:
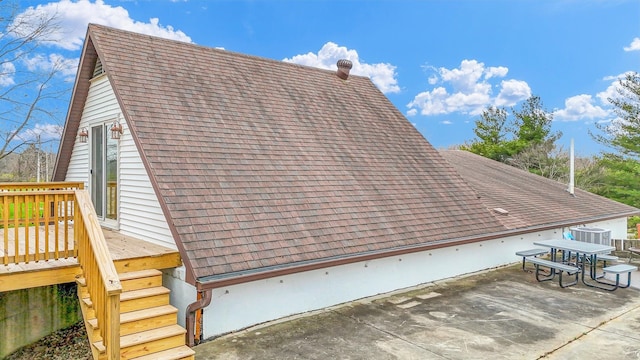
[554,267]
[530,252]
[619,269]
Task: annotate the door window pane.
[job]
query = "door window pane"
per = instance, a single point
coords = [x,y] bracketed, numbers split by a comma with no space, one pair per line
[97,169]
[112,178]
[104,173]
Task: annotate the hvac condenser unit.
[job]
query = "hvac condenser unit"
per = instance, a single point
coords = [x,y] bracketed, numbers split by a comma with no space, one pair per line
[592,235]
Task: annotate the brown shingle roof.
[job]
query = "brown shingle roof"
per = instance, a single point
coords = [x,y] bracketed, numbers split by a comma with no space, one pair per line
[531,200]
[261,164]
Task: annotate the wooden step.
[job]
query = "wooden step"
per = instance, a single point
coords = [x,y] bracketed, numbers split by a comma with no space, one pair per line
[144,298]
[83,290]
[136,280]
[148,342]
[142,320]
[179,353]
[147,319]
[87,307]
[151,341]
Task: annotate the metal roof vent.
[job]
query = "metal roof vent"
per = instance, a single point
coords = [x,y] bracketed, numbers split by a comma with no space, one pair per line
[344,66]
[501,211]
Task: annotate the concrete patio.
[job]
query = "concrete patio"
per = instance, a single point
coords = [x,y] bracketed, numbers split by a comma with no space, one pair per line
[498,314]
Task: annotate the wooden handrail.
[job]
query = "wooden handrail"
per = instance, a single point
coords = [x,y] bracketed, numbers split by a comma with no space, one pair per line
[103,284]
[36,186]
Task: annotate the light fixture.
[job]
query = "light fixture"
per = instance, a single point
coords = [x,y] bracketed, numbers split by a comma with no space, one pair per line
[84,135]
[116,129]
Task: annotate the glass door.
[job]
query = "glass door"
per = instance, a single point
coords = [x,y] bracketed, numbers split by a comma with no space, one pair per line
[104,173]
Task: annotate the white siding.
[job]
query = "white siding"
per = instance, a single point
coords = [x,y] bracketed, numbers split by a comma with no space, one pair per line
[139,213]
[79,164]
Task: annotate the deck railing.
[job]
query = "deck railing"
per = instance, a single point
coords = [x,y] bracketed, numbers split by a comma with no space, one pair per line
[35,220]
[104,287]
[28,213]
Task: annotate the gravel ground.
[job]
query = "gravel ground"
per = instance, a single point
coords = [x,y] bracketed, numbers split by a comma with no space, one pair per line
[66,344]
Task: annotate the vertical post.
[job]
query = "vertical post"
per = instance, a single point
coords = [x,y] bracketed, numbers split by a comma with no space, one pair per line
[571,170]
[38,159]
[112,324]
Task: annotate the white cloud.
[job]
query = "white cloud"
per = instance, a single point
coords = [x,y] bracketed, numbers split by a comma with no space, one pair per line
[580,107]
[46,63]
[45,131]
[499,71]
[596,109]
[383,75]
[634,46]
[430,102]
[609,93]
[467,90]
[7,72]
[512,91]
[465,78]
[613,90]
[74,16]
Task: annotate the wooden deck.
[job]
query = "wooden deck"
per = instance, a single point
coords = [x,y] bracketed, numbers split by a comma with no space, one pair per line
[128,253]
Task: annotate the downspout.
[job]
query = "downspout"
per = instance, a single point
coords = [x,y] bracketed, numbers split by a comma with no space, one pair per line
[199,304]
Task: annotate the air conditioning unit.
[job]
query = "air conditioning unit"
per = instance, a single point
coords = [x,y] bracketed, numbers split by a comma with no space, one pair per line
[592,235]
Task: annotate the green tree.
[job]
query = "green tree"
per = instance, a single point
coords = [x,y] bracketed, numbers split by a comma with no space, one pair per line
[621,164]
[500,137]
[491,131]
[620,180]
[533,124]
[623,134]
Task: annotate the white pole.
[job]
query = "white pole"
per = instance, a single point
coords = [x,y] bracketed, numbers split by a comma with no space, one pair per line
[571,170]
[46,166]
[38,156]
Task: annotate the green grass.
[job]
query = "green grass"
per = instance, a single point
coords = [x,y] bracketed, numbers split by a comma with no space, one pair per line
[23,212]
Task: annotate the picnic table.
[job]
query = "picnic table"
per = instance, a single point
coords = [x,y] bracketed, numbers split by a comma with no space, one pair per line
[585,253]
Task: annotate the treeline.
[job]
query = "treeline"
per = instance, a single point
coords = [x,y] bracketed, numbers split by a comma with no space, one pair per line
[32,164]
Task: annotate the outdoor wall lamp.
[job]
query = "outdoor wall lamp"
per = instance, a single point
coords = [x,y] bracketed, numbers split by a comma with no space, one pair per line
[84,135]
[116,129]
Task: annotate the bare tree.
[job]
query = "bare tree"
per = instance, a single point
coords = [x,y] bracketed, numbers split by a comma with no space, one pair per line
[545,159]
[28,92]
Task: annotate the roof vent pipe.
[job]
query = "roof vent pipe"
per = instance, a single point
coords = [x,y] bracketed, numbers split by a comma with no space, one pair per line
[344,66]
[571,171]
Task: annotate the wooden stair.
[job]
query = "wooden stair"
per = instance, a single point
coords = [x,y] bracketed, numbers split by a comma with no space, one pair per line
[148,323]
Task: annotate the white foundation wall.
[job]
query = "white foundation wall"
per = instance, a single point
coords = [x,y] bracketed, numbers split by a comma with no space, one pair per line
[239,306]
[182,294]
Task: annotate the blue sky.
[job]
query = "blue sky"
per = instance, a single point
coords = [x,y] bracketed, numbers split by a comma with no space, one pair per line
[439,62]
